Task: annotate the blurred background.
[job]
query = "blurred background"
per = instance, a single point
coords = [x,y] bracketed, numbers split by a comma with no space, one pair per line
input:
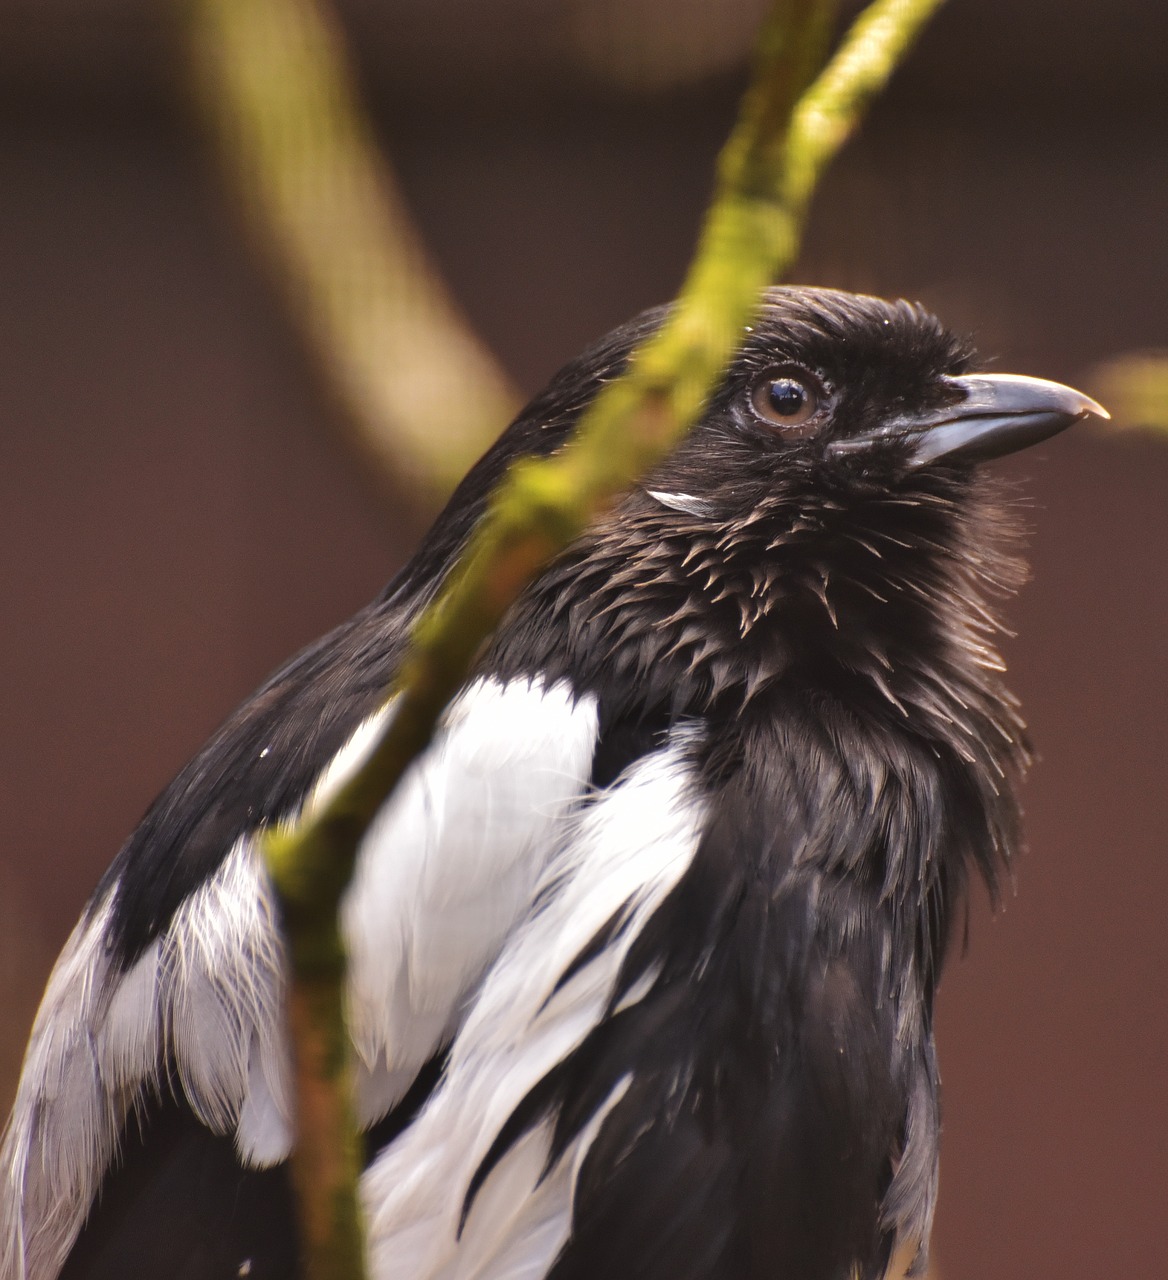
[189,490]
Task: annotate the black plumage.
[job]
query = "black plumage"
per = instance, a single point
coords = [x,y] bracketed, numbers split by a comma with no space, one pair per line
[799,606]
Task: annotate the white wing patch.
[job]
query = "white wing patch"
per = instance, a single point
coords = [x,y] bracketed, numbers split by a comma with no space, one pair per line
[628,850]
[222,996]
[445,872]
[449,867]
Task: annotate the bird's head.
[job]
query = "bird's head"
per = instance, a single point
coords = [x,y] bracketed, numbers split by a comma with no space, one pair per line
[825,520]
[833,395]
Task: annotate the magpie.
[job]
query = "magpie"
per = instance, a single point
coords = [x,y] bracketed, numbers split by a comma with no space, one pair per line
[643,950]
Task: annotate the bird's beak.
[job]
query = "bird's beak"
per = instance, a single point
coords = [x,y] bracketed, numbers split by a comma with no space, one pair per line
[992,414]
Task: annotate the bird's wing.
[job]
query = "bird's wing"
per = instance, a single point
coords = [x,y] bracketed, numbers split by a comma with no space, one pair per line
[442,877]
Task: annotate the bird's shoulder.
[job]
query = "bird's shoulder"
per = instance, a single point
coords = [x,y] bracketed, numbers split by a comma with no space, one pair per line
[256,768]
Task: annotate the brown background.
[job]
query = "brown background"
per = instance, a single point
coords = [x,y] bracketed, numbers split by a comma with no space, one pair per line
[178,515]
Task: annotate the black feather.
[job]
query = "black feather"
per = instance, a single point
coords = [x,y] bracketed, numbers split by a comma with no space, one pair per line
[260,764]
[830,628]
[822,626]
[177,1204]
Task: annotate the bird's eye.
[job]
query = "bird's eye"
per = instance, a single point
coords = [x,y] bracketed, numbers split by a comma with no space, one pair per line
[790,399]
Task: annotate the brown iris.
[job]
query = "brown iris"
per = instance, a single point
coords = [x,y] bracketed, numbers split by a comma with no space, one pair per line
[789,398]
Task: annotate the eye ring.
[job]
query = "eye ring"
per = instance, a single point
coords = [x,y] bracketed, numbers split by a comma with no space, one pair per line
[791,399]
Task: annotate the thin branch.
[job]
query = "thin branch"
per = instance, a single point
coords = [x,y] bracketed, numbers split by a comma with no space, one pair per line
[1135,388]
[276,89]
[766,176]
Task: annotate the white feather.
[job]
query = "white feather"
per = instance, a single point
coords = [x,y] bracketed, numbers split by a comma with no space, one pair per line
[264,1133]
[222,1004]
[629,847]
[64,1125]
[686,503]
[126,1040]
[451,862]
[472,824]
[522,1224]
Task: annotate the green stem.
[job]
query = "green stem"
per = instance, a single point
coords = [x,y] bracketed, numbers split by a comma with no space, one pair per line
[789,129]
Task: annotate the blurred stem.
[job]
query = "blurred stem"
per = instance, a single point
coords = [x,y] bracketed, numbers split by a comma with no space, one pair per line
[1135,388]
[766,175]
[418,391]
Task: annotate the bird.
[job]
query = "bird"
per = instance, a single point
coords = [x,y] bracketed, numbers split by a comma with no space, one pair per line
[643,949]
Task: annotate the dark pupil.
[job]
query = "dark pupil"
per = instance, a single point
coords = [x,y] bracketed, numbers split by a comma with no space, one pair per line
[787,397]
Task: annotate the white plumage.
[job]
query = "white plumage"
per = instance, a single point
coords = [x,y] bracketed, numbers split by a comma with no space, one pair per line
[631,846]
[443,876]
[449,866]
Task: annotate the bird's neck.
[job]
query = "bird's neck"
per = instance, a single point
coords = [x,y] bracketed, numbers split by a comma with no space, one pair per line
[867,620]
[874,606]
